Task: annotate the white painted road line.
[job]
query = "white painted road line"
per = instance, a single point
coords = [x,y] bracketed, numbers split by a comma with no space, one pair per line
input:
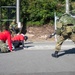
[49,47]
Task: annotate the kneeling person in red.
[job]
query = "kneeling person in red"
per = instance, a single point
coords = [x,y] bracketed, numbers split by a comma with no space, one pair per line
[18,40]
[5,39]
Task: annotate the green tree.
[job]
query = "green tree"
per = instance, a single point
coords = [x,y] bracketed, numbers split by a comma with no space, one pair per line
[7,12]
[37,12]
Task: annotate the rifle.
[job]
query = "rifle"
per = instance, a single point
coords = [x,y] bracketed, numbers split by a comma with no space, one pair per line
[13,29]
[50,36]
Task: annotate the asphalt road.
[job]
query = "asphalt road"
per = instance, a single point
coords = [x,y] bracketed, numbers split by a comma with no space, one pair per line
[36,59]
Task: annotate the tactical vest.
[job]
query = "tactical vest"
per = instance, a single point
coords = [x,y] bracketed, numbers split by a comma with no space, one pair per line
[64,29]
[66,24]
[68,28]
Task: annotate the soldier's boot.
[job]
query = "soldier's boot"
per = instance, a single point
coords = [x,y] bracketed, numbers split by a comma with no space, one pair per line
[55,54]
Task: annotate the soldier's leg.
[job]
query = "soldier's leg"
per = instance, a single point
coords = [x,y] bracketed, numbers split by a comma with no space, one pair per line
[58,46]
[59,43]
[3,47]
[72,37]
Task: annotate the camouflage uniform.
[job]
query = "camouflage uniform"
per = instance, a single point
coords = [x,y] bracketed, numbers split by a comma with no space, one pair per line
[62,39]
[13,24]
[65,30]
[13,27]
[3,47]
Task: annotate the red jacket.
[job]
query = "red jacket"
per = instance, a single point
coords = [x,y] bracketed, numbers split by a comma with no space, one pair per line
[6,36]
[18,37]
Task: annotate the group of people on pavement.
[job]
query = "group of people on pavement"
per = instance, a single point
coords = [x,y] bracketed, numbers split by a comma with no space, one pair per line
[65,30]
[9,42]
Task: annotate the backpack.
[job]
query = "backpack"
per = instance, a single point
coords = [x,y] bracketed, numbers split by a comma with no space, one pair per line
[68,29]
[68,23]
[3,47]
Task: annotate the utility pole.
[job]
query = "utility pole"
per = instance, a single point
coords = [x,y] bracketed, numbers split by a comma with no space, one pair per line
[18,13]
[67,6]
[55,21]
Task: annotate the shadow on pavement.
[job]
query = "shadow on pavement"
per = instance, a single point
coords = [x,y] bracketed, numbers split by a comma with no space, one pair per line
[28,42]
[17,49]
[26,45]
[70,51]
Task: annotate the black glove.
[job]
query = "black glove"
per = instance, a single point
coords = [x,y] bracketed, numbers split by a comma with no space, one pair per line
[50,36]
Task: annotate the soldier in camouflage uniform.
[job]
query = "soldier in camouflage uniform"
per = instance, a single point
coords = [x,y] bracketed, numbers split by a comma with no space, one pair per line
[13,24]
[13,27]
[65,30]
[3,47]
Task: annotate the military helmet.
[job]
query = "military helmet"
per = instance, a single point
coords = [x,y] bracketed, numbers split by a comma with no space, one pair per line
[67,19]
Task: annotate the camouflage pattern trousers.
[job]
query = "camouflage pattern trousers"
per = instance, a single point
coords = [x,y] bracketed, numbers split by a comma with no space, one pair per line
[62,39]
[3,47]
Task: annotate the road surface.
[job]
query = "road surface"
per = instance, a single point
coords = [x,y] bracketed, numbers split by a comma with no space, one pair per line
[36,59]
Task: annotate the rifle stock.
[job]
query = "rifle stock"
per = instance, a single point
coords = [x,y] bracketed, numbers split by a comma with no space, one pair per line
[50,36]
